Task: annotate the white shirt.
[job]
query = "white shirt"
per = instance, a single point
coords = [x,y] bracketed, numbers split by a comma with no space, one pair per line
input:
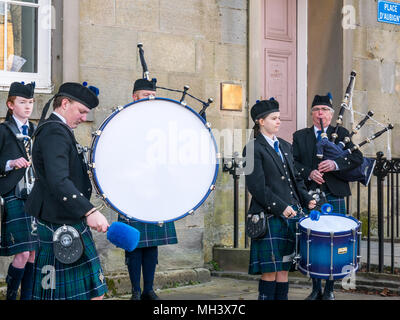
[60,116]
[271,142]
[317,129]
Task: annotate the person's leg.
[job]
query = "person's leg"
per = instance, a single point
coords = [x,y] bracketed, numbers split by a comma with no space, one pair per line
[328,291]
[282,285]
[266,286]
[150,260]
[316,293]
[15,274]
[27,280]
[134,263]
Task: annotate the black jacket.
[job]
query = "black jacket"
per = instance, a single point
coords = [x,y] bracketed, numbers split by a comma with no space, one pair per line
[10,149]
[62,188]
[267,182]
[304,153]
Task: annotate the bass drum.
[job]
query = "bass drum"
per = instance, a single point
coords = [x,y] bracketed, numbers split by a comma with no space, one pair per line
[154,160]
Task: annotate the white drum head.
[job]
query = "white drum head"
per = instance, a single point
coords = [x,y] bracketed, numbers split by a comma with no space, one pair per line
[155,161]
[329,223]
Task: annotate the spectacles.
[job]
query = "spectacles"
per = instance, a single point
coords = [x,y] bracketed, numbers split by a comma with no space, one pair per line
[324,109]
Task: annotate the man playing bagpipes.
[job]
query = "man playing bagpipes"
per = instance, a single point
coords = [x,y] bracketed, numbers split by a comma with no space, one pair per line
[325,175]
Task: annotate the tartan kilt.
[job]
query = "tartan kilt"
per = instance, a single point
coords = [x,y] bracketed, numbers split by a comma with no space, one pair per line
[276,250]
[16,228]
[339,204]
[151,234]
[53,280]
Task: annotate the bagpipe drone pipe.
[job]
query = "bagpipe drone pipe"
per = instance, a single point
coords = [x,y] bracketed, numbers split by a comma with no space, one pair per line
[329,150]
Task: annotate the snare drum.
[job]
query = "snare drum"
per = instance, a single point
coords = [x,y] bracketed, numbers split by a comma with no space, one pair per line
[154,160]
[328,247]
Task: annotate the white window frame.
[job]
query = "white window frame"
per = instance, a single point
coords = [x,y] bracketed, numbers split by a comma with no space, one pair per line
[43,75]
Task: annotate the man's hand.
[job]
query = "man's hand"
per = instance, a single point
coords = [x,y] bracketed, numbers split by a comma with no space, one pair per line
[317,176]
[19,163]
[289,212]
[97,222]
[327,166]
[312,204]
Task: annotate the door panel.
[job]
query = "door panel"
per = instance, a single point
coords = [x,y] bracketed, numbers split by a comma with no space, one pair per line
[279,62]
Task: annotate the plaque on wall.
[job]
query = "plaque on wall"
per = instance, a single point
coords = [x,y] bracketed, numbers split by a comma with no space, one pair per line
[231,97]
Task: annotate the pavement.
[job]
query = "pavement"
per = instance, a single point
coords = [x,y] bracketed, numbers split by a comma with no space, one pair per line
[229,288]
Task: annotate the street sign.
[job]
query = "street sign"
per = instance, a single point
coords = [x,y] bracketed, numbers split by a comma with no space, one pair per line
[389,12]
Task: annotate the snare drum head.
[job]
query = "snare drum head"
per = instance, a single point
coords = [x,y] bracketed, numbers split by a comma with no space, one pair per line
[155,160]
[329,223]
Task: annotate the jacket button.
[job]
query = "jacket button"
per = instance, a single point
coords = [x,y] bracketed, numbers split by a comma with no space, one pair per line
[74,196]
[65,199]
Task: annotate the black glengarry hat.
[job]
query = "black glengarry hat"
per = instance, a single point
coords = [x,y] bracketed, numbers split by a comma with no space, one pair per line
[144,84]
[322,100]
[263,108]
[80,93]
[20,89]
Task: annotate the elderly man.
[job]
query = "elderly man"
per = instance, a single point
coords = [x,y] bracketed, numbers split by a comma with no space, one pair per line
[67,265]
[326,174]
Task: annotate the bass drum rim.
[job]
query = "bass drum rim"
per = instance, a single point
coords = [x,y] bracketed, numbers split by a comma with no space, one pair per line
[96,184]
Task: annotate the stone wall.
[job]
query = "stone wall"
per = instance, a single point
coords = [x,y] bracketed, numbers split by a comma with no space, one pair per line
[195,43]
[376,58]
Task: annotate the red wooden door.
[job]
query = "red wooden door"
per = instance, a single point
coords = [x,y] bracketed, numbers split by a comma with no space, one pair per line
[279,60]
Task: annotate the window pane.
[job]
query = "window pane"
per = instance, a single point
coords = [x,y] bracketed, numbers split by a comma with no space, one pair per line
[21,39]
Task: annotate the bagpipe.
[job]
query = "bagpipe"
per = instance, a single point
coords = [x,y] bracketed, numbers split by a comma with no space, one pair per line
[329,150]
[184,92]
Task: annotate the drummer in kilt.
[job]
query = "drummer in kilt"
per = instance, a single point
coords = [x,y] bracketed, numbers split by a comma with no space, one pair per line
[145,257]
[278,191]
[16,225]
[60,198]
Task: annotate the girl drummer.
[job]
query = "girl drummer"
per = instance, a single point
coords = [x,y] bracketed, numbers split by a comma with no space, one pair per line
[277,190]
[16,225]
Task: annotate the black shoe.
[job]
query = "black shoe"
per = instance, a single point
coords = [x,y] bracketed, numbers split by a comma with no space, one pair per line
[328,291]
[151,295]
[135,295]
[328,296]
[316,293]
